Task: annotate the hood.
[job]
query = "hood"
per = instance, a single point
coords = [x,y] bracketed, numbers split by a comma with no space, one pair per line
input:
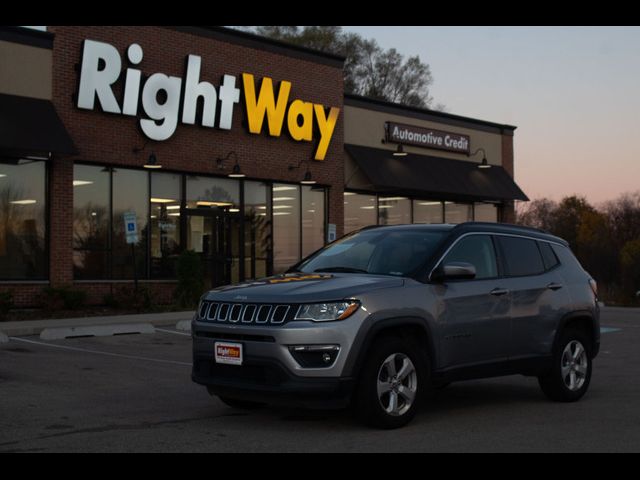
[303,288]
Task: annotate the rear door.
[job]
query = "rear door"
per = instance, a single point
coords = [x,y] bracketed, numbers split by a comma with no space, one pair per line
[538,295]
[474,314]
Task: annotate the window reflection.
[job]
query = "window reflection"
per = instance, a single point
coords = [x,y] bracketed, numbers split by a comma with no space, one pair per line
[426,211]
[257,229]
[130,194]
[286,226]
[457,212]
[210,192]
[394,210]
[485,212]
[91,222]
[312,219]
[165,223]
[22,220]
[359,211]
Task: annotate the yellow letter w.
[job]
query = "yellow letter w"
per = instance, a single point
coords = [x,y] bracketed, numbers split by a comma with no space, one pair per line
[265,103]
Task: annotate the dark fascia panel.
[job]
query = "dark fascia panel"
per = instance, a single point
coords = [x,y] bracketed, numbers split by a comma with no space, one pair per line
[27,36]
[251,40]
[429,115]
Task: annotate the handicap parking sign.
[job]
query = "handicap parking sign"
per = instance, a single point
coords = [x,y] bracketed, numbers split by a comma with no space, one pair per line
[131,227]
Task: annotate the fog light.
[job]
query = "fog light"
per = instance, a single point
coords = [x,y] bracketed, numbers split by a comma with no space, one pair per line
[315,356]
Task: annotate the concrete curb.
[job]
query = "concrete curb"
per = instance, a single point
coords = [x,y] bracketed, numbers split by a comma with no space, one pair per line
[184,325]
[3,338]
[95,331]
[35,327]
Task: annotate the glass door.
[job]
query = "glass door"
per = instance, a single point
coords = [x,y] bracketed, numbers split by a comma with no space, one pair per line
[215,237]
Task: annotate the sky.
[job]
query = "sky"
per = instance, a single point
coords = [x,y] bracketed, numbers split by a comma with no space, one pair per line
[573,93]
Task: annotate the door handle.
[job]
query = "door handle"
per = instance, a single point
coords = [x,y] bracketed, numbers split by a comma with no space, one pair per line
[499,291]
[554,286]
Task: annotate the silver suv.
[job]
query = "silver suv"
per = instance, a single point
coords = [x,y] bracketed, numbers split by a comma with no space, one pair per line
[382,316]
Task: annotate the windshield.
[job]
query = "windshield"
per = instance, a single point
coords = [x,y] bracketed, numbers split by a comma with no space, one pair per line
[380,252]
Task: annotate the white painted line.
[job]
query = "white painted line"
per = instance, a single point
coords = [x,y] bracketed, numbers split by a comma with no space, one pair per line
[184,325]
[3,338]
[60,333]
[173,332]
[84,350]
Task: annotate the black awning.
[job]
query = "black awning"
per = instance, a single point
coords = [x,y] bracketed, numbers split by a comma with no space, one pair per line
[31,126]
[432,177]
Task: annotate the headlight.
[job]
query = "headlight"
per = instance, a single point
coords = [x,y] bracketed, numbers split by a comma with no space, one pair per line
[327,312]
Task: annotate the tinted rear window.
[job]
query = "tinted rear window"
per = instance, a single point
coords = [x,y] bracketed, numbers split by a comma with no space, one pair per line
[549,258]
[521,256]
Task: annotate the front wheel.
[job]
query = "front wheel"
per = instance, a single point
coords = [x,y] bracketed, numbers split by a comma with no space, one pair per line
[570,374]
[391,383]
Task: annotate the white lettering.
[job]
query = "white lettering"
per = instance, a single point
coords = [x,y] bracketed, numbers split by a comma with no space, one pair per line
[96,81]
[167,112]
[194,89]
[229,95]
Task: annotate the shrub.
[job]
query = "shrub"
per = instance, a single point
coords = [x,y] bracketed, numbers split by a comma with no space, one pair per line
[62,298]
[6,303]
[190,280]
[126,297]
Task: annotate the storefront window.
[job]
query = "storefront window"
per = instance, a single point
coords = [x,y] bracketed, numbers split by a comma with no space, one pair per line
[22,220]
[425,211]
[165,224]
[91,222]
[211,192]
[394,210]
[485,212]
[286,226]
[359,211]
[457,212]
[257,229]
[130,194]
[312,219]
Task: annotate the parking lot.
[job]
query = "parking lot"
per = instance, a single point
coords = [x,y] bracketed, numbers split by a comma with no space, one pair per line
[133,393]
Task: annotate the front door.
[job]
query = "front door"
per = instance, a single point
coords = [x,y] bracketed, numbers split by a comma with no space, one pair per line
[215,236]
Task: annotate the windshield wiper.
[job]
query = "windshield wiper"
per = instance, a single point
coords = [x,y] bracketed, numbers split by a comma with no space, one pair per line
[340,270]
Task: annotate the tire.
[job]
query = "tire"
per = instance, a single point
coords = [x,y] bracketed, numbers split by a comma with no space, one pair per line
[570,374]
[382,400]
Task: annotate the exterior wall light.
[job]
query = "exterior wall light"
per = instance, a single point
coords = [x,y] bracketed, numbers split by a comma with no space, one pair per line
[484,164]
[236,172]
[399,151]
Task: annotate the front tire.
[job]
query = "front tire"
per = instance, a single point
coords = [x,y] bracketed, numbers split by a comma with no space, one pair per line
[570,374]
[391,383]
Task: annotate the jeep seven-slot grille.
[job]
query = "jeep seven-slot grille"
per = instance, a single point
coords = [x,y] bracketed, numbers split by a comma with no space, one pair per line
[246,313]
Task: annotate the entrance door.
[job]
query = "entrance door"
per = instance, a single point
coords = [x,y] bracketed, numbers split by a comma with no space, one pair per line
[215,236]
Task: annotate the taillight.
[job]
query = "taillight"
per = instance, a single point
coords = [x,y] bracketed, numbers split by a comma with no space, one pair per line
[594,286]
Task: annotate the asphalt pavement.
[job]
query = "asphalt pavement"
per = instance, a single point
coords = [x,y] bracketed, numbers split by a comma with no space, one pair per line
[133,393]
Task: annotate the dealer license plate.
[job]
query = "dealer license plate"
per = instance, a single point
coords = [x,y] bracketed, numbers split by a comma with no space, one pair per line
[228,353]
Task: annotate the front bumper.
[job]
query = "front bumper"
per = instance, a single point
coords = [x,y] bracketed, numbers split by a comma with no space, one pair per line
[269,372]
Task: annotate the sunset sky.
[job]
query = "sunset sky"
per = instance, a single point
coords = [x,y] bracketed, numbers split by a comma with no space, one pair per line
[573,93]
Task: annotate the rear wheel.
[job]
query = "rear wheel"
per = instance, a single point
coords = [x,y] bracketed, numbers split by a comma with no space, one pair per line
[570,374]
[391,383]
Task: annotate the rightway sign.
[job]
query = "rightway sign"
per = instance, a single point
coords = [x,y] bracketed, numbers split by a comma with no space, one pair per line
[131,227]
[426,137]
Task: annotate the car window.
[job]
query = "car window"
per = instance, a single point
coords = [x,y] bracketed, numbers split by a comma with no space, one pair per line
[478,251]
[549,258]
[521,256]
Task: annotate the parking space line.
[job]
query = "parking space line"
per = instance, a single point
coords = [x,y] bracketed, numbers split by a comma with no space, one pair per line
[97,352]
[174,333]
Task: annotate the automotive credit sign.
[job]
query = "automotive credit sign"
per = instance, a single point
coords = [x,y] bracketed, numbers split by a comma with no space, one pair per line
[162,101]
[426,137]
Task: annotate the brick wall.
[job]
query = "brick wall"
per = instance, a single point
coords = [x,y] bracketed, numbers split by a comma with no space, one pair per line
[106,138]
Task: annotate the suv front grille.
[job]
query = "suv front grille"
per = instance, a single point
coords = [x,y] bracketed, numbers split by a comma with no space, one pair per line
[245,313]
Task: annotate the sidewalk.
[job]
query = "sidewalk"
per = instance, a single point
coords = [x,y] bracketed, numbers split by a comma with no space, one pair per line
[35,327]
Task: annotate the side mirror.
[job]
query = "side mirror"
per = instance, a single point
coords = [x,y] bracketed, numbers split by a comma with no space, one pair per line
[454,271]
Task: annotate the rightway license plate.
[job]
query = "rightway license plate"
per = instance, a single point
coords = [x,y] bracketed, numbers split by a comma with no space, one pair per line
[229,353]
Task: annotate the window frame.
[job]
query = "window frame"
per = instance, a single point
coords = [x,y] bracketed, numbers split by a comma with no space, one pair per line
[504,259]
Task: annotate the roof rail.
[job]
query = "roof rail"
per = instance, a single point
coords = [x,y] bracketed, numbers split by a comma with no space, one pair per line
[509,225]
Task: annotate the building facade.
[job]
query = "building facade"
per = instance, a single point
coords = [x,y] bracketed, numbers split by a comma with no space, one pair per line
[123,146]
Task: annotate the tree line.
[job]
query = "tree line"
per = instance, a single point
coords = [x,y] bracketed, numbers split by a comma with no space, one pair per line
[605,238]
